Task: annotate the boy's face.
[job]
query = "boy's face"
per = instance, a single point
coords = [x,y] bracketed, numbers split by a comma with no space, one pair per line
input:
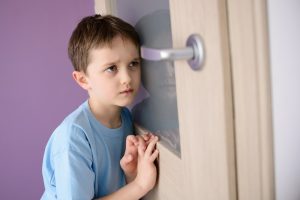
[113,73]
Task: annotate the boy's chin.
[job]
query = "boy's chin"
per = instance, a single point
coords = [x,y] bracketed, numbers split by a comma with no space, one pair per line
[125,103]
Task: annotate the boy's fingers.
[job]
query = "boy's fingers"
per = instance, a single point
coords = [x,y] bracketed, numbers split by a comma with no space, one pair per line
[146,136]
[131,139]
[129,158]
[151,146]
[141,141]
[154,155]
[149,137]
[141,150]
[126,159]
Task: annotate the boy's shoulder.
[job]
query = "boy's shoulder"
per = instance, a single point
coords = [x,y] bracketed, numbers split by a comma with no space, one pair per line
[74,127]
[78,123]
[81,119]
[77,118]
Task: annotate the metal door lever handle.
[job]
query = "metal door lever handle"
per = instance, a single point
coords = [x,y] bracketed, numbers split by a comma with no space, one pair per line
[194,53]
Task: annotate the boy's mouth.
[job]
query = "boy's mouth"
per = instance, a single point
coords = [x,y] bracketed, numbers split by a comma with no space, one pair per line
[128,91]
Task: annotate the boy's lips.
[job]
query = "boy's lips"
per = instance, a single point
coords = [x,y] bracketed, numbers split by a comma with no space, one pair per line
[127,91]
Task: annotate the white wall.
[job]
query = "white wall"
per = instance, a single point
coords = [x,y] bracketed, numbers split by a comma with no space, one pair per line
[284,29]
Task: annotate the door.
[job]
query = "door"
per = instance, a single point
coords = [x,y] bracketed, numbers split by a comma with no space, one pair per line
[195,121]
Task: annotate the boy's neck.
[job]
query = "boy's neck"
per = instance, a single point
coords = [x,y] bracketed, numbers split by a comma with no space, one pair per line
[108,116]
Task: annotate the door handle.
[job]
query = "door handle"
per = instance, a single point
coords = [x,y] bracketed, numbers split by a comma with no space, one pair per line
[194,53]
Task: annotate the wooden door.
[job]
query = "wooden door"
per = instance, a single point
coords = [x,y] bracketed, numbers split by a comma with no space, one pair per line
[207,166]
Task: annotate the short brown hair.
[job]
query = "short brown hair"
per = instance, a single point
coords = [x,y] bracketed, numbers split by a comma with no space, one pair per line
[97,31]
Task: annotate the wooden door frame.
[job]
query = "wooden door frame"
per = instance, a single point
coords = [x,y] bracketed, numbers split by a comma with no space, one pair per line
[249,44]
[249,57]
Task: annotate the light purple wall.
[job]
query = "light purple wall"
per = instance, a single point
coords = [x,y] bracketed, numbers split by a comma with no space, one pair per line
[36,88]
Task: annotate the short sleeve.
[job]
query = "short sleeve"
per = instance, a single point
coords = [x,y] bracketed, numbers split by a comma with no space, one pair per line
[74,176]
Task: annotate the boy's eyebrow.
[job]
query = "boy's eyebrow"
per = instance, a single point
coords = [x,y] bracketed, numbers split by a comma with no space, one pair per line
[137,59]
[116,61]
[110,63]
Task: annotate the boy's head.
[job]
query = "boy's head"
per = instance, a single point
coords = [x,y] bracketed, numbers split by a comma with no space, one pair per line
[104,51]
[95,32]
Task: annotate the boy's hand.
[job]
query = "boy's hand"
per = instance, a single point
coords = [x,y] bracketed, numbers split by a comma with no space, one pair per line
[146,176]
[129,161]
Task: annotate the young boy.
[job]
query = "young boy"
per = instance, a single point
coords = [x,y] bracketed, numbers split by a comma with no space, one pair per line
[84,158]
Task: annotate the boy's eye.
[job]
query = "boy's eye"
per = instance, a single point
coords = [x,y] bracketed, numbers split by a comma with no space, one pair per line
[134,64]
[112,68]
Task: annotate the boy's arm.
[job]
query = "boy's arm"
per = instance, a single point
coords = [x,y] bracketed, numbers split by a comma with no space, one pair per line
[73,177]
[131,191]
[146,175]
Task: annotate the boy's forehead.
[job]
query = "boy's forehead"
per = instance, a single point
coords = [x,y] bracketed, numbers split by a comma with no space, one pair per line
[120,40]
[115,49]
[112,49]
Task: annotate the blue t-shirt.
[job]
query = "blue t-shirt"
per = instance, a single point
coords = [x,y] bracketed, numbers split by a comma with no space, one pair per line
[82,157]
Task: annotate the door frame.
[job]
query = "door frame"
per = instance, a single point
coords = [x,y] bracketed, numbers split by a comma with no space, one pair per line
[250,50]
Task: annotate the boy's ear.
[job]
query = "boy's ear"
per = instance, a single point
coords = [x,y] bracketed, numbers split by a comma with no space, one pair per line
[81,79]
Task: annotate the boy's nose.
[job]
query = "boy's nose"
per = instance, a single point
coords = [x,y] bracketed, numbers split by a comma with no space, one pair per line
[125,77]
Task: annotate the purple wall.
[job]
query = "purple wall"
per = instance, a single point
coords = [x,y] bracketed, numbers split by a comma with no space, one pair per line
[36,87]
